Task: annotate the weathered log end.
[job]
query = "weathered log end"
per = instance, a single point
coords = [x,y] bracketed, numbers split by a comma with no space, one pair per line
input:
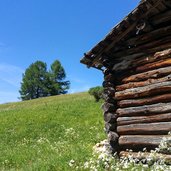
[113,138]
[108,107]
[110,117]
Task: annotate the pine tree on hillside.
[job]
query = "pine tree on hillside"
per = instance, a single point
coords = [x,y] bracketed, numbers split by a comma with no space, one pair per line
[38,82]
[58,75]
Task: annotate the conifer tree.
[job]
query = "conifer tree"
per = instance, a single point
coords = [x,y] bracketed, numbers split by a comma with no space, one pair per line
[38,82]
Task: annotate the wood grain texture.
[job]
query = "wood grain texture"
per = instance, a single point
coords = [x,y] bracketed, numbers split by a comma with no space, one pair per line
[140,141]
[157,73]
[143,83]
[149,90]
[146,109]
[154,65]
[165,117]
[145,129]
[164,98]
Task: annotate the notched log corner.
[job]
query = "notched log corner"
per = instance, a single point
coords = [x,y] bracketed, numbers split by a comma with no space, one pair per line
[108,107]
[110,117]
[113,137]
[110,127]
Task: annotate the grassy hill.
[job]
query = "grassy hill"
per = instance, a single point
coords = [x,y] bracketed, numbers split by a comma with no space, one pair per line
[46,133]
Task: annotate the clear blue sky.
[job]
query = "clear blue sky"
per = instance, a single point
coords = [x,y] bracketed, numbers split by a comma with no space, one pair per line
[46,30]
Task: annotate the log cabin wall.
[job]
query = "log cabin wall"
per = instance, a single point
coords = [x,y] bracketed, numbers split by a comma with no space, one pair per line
[137,108]
[144,103]
[139,76]
[136,56]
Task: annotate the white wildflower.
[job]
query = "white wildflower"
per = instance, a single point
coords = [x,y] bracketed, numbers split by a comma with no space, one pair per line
[42,140]
[86,165]
[71,163]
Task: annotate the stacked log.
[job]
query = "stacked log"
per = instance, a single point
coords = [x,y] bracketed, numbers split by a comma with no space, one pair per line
[109,108]
[144,102]
[149,141]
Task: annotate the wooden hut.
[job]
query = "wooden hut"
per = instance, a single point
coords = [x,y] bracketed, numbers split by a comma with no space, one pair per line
[135,58]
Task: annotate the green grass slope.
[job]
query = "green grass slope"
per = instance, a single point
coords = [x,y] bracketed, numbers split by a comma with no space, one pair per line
[45,134]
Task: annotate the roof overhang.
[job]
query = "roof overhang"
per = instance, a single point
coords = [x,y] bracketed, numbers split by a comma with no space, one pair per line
[145,9]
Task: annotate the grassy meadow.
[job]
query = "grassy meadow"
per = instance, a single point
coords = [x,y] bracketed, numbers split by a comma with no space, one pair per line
[47,133]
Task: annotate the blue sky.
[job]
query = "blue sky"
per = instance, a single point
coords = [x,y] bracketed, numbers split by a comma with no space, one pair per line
[47,30]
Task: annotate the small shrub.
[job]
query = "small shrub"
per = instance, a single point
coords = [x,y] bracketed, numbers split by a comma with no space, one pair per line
[96,92]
